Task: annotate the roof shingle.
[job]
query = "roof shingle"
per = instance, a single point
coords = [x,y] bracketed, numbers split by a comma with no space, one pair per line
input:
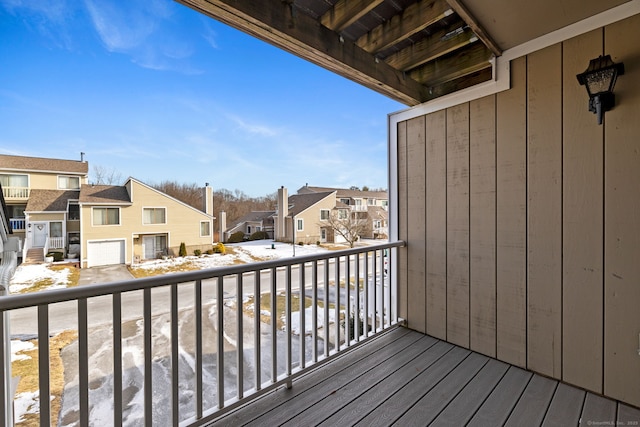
[23,163]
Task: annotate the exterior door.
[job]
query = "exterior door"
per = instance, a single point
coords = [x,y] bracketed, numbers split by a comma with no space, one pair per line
[148,247]
[38,234]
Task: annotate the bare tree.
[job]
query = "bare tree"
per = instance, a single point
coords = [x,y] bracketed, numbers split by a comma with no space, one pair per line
[105,176]
[349,226]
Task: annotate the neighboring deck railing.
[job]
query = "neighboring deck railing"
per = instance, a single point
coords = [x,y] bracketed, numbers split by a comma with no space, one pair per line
[15,192]
[18,224]
[349,285]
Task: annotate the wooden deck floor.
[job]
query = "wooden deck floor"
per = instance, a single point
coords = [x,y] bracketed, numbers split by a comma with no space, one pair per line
[405,378]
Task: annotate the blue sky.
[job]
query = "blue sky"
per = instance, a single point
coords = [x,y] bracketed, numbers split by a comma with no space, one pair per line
[154,90]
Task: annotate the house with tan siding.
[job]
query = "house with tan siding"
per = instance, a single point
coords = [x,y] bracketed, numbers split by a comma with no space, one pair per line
[134,222]
[52,208]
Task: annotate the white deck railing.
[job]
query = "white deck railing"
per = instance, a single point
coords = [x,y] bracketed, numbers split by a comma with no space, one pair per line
[229,355]
[15,192]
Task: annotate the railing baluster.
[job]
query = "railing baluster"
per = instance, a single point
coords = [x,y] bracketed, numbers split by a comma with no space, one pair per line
[314,310]
[336,271]
[356,309]
[303,315]
[5,386]
[274,328]
[43,365]
[347,317]
[83,362]
[220,349]
[375,291]
[148,359]
[117,358]
[239,341]
[288,325]
[175,361]
[256,330]
[387,287]
[366,295]
[326,308]
[198,356]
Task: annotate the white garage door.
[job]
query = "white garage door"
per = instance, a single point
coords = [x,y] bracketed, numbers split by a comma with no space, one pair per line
[106,252]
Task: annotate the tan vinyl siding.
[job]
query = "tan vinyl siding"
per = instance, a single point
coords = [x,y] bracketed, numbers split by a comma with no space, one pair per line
[182,222]
[530,220]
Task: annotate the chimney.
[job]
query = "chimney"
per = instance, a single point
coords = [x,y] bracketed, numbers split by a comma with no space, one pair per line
[207,199]
[283,211]
[222,221]
[82,156]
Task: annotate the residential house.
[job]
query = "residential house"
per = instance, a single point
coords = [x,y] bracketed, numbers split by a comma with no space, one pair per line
[52,207]
[358,200]
[134,222]
[252,222]
[41,196]
[301,218]
[370,207]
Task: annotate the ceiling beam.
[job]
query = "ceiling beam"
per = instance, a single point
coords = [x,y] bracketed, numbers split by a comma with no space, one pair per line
[431,48]
[468,61]
[281,24]
[463,12]
[344,13]
[412,20]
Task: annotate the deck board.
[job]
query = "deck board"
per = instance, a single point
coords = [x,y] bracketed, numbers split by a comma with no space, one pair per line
[405,378]
[565,407]
[598,410]
[498,406]
[406,397]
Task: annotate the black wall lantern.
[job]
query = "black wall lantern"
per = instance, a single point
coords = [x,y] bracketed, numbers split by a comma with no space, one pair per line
[600,78]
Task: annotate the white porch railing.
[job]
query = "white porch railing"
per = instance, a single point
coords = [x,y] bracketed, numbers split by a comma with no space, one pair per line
[211,373]
[56,243]
[18,224]
[15,192]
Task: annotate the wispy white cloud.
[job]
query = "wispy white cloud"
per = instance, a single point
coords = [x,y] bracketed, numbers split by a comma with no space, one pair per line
[142,30]
[49,18]
[210,35]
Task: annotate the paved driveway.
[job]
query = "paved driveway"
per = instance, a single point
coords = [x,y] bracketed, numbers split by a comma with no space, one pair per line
[108,273]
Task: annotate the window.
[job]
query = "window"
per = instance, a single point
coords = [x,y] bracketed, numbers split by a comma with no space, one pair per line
[342,214]
[371,202]
[55,229]
[74,212]
[345,201]
[324,214]
[106,216]
[205,228]
[69,182]
[74,238]
[14,180]
[154,216]
[300,225]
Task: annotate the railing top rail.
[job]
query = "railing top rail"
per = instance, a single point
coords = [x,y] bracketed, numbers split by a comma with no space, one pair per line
[12,302]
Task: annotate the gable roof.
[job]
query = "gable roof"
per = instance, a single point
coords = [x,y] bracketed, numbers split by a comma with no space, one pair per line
[41,164]
[50,200]
[346,192]
[255,216]
[104,194]
[302,202]
[180,202]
